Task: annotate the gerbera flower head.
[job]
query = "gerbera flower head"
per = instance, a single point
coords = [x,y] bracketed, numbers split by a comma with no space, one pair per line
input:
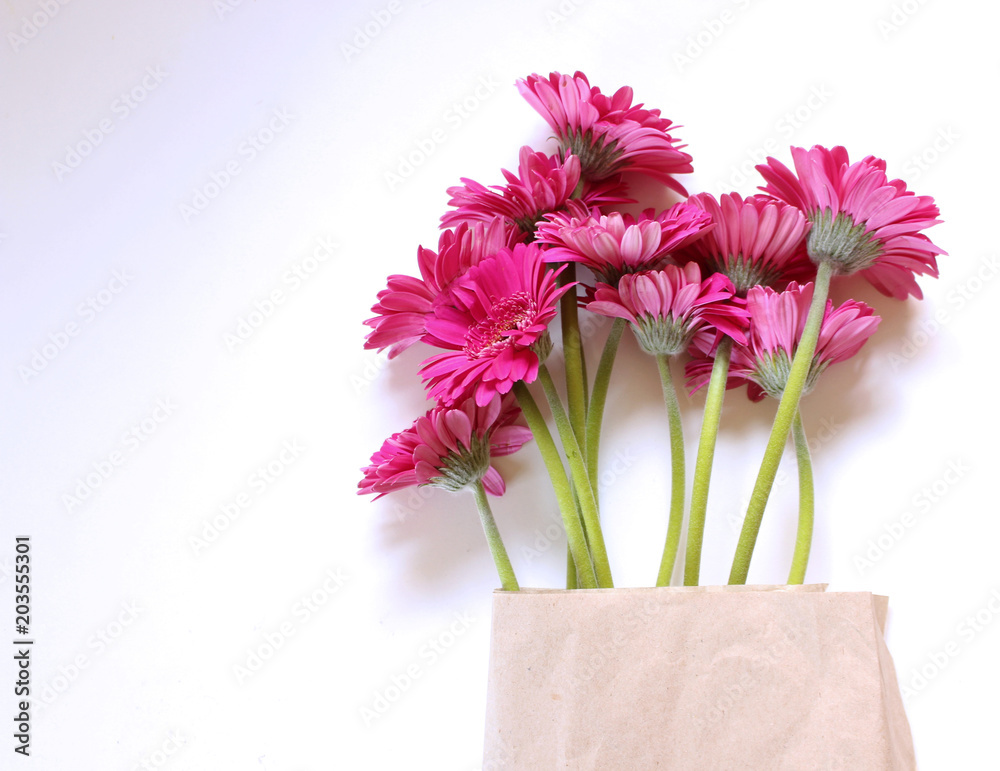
[449,447]
[667,307]
[495,325]
[757,240]
[613,245]
[861,220]
[608,133]
[776,323]
[405,303]
[543,184]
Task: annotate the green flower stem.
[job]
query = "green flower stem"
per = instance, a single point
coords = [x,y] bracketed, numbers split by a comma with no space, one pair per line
[507,579]
[576,377]
[576,368]
[560,484]
[581,481]
[599,397]
[572,581]
[677,480]
[703,461]
[807,503]
[787,409]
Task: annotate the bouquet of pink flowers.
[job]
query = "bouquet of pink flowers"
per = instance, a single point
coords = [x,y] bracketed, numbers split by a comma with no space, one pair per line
[736,286]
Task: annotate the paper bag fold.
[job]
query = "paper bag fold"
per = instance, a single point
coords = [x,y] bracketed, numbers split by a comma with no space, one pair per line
[746,677]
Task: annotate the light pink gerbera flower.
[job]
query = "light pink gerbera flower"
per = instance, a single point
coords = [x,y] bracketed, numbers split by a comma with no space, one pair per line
[613,245]
[404,305]
[667,307]
[609,134]
[861,220]
[449,447]
[776,323]
[496,325]
[757,240]
[543,184]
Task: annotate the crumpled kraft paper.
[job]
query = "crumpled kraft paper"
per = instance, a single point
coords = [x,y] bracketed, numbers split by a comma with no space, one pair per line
[741,677]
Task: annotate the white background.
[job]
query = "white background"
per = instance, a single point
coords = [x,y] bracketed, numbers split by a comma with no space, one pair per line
[287,118]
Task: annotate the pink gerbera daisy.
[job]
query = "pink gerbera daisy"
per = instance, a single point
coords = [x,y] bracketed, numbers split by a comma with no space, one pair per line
[609,134]
[757,240]
[496,325]
[667,307]
[613,245]
[449,447]
[861,220]
[777,319]
[403,306]
[543,184]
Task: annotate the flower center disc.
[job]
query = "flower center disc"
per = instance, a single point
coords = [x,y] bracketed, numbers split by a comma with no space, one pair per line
[504,316]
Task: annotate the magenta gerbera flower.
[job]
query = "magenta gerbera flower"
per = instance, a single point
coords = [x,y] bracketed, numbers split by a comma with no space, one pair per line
[495,325]
[613,245]
[777,319]
[757,240]
[403,306]
[609,134]
[543,184]
[861,220]
[449,447]
[667,307]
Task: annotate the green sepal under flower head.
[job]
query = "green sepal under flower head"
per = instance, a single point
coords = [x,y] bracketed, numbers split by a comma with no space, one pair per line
[598,157]
[542,347]
[461,469]
[746,273]
[662,336]
[771,373]
[837,240]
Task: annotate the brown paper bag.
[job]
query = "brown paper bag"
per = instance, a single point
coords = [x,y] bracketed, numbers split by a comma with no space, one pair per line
[741,677]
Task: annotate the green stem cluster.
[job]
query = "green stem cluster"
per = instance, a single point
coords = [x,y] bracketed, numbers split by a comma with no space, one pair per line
[572,521]
[677,476]
[787,410]
[572,346]
[579,429]
[581,480]
[507,579]
[576,379]
[704,460]
[807,503]
[599,398]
